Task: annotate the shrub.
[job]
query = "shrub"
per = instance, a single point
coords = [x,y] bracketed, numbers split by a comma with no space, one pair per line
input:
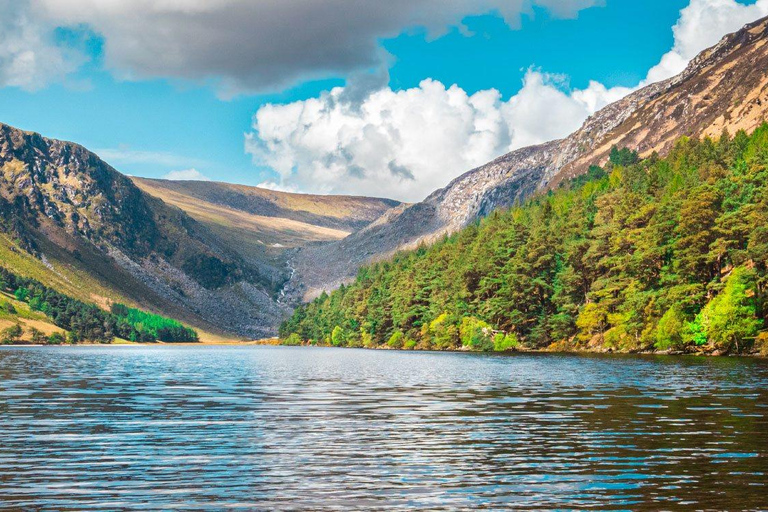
[442,333]
[396,340]
[476,334]
[292,340]
[731,317]
[337,337]
[35,304]
[504,342]
[21,294]
[38,336]
[57,338]
[409,344]
[366,339]
[669,332]
[11,334]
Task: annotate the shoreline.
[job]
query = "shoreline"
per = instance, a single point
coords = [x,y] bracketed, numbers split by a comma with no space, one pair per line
[269,342]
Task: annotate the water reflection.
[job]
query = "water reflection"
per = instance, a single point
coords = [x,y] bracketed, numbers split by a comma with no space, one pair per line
[322,429]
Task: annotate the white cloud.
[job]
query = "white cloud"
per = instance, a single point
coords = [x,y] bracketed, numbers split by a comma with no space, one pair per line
[186,175]
[701,25]
[29,57]
[255,45]
[405,144]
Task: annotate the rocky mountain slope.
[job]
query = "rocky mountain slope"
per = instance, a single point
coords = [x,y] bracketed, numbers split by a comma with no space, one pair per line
[725,87]
[69,219]
[66,207]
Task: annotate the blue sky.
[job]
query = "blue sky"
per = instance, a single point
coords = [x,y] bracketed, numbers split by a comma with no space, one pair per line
[150,125]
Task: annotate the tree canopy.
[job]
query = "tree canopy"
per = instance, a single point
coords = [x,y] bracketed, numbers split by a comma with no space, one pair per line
[88,322]
[660,253]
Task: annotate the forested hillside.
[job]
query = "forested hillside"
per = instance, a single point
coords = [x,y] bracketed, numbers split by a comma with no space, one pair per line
[83,322]
[658,254]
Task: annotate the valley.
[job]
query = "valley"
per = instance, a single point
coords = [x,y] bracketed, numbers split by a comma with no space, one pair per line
[234,260]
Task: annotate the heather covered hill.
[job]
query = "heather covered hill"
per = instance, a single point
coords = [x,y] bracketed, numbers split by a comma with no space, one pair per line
[655,254]
[342,213]
[261,225]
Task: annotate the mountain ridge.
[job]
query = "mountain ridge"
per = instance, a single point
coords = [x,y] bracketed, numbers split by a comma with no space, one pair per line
[648,120]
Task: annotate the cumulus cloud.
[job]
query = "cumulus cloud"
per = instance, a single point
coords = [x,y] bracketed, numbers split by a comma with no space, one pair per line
[257,45]
[405,144]
[186,175]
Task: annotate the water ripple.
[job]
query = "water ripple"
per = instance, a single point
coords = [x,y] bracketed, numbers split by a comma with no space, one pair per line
[263,428]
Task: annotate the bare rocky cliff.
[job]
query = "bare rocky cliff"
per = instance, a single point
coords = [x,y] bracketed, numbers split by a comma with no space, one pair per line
[725,87]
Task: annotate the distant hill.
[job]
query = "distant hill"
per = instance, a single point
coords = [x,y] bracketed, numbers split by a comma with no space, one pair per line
[725,87]
[261,225]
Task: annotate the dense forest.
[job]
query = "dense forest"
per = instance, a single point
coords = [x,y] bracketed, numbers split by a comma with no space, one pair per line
[654,254]
[88,322]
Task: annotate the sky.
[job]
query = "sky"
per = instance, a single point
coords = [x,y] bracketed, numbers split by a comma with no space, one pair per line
[389,99]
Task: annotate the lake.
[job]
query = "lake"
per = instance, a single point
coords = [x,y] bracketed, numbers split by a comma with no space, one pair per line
[271,428]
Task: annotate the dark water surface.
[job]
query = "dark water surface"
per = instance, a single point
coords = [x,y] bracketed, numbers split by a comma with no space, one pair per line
[265,428]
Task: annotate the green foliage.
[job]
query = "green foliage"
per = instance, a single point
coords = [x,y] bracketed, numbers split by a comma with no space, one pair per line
[442,333]
[366,339]
[7,307]
[731,317]
[670,331]
[21,294]
[88,322]
[57,338]
[623,157]
[37,336]
[292,340]
[629,257]
[476,334]
[143,326]
[396,340]
[11,334]
[337,337]
[504,342]
[409,344]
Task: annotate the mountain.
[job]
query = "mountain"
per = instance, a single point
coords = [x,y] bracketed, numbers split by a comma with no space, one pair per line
[265,226]
[660,254]
[724,88]
[73,222]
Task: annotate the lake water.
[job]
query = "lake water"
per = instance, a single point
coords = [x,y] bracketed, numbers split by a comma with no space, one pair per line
[270,428]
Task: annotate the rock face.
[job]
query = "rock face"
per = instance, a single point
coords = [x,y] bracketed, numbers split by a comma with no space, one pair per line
[58,196]
[725,87]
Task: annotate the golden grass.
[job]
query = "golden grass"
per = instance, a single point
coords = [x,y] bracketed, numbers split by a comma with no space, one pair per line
[260,229]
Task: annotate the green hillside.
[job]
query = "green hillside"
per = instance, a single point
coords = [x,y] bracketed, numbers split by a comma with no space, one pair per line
[29,307]
[659,254]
